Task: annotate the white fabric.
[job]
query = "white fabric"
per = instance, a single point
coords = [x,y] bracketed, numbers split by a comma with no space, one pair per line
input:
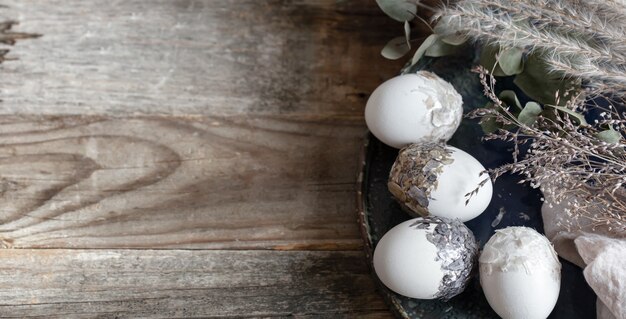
[601,252]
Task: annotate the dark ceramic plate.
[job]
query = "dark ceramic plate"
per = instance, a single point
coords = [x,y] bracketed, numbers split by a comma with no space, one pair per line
[517,205]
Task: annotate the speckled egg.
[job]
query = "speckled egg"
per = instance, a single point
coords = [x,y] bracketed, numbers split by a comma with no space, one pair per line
[426,258]
[412,108]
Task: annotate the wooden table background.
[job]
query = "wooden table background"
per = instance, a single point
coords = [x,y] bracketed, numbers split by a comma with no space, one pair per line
[186,158]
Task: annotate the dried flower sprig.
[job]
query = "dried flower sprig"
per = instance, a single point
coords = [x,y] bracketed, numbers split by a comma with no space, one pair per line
[576,39]
[565,155]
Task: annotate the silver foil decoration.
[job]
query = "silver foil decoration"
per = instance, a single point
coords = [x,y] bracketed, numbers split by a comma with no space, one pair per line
[414,175]
[457,250]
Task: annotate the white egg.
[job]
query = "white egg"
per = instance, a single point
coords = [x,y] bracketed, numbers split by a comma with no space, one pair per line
[411,108]
[436,179]
[520,274]
[426,258]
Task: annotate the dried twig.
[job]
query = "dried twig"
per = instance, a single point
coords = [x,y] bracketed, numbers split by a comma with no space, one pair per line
[565,158]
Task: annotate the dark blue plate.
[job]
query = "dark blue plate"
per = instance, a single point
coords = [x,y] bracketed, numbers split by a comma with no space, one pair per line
[517,205]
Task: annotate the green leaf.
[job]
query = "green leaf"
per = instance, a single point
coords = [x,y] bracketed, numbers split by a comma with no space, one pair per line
[489,60]
[407,33]
[510,61]
[510,98]
[529,113]
[578,116]
[609,136]
[400,10]
[452,39]
[440,48]
[422,49]
[540,85]
[443,26]
[502,62]
[395,48]
[456,39]
[489,124]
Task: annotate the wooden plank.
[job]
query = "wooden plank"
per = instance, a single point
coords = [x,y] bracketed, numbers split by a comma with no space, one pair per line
[277,182]
[195,57]
[252,141]
[226,124]
[185,284]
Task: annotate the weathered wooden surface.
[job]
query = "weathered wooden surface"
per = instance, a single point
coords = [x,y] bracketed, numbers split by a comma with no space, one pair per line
[179,283]
[278,182]
[195,57]
[228,127]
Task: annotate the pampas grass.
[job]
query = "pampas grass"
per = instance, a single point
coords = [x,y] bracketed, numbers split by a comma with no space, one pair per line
[576,39]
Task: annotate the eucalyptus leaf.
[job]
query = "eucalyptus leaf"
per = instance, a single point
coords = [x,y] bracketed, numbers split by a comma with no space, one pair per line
[455,39]
[609,136]
[440,48]
[400,10]
[450,38]
[529,113]
[541,85]
[422,49]
[489,124]
[510,61]
[577,116]
[443,26]
[407,33]
[395,48]
[489,60]
[510,98]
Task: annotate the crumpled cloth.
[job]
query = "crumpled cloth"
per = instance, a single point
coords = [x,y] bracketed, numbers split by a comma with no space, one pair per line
[600,251]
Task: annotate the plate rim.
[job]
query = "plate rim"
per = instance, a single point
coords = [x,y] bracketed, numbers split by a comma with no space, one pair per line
[368,246]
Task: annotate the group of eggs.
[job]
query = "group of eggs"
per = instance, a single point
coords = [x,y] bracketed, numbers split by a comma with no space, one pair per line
[433,256]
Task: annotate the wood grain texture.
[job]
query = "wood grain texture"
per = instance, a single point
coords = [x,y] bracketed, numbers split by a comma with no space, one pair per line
[195,57]
[206,182]
[227,127]
[185,284]
[253,128]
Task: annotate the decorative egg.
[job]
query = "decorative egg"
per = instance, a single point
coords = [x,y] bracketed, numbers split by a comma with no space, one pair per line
[440,180]
[412,108]
[426,258]
[520,274]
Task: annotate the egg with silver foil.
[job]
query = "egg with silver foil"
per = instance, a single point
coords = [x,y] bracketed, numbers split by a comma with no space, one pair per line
[414,108]
[441,180]
[520,274]
[426,258]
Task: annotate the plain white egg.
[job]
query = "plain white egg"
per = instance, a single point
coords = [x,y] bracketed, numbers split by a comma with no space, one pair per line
[426,258]
[411,108]
[436,179]
[520,274]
